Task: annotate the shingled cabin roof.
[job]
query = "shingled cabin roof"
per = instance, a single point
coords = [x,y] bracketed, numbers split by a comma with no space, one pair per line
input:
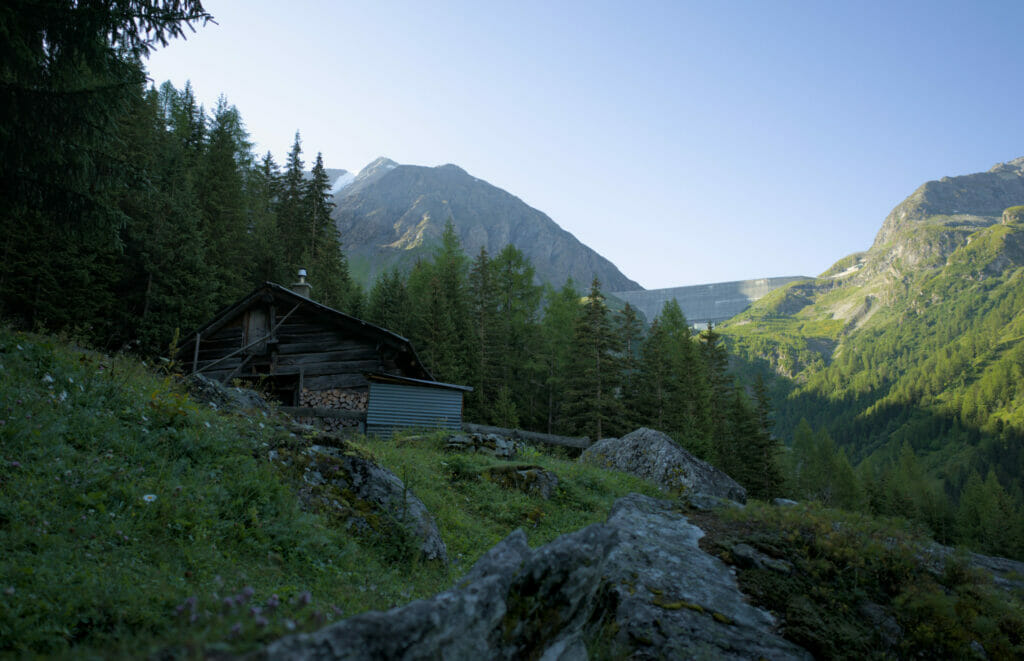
[287,302]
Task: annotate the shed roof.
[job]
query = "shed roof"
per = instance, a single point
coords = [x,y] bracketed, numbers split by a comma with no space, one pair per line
[271,291]
[379,377]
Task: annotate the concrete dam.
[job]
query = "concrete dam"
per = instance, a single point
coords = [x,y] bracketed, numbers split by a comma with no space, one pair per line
[715,302]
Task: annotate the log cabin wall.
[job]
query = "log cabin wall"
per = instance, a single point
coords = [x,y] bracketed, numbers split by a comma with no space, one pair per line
[306,353]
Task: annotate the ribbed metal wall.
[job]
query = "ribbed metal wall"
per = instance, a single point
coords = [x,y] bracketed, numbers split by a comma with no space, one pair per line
[394,406]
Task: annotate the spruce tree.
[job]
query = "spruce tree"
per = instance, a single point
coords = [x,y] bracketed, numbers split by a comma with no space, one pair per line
[518,331]
[292,220]
[486,341]
[389,305]
[322,246]
[555,353]
[592,407]
[631,336]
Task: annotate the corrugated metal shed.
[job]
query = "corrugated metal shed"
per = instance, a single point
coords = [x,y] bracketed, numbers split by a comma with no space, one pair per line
[397,402]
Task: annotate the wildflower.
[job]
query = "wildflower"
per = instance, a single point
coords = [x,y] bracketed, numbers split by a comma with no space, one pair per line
[207,423]
[255,610]
[47,378]
[304,599]
[261,621]
[10,589]
[236,630]
[63,395]
[19,347]
[274,601]
[15,464]
[289,625]
[229,602]
[149,497]
[246,593]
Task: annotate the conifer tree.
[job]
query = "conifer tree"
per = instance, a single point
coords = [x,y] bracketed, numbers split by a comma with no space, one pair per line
[485,335]
[592,407]
[389,305]
[518,304]
[220,187]
[292,222]
[263,185]
[716,363]
[555,353]
[631,336]
[322,246]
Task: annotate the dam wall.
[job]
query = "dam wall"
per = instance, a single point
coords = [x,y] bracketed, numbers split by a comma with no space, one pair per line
[701,304]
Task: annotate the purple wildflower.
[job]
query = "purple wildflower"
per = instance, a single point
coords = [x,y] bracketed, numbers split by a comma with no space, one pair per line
[255,610]
[261,621]
[236,630]
[273,602]
[247,593]
[304,598]
[15,464]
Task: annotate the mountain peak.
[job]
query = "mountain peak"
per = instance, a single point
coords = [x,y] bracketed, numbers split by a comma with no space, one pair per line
[392,215]
[1016,165]
[381,163]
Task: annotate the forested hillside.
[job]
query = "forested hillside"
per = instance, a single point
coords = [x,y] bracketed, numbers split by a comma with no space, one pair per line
[131,211]
[134,214]
[910,356]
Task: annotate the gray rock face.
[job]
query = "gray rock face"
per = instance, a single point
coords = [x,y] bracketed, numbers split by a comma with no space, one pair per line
[654,456]
[224,398]
[368,493]
[637,586]
[979,198]
[492,444]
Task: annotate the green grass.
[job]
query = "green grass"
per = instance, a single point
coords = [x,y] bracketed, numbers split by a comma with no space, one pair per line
[134,520]
[846,566]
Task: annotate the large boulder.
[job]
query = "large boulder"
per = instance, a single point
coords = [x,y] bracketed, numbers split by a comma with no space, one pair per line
[654,456]
[370,498]
[637,586]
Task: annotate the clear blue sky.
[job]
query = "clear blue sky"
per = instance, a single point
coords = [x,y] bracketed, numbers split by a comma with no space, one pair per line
[687,142]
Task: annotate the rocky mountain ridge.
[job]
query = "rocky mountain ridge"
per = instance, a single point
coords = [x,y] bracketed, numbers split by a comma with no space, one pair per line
[390,215]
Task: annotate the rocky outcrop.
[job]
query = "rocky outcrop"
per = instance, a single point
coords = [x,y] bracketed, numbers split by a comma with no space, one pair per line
[654,456]
[637,586]
[492,444]
[975,198]
[371,499]
[224,398]
[528,479]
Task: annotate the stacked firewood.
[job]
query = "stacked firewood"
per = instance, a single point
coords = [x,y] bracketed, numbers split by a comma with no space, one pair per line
[336,398]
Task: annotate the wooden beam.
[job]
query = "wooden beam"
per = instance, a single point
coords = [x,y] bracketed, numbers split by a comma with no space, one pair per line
[195,354]
[581,442]
[235,372]
[265,338]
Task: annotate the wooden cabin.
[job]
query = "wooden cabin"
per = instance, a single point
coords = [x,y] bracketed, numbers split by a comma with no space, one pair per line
[301,352]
